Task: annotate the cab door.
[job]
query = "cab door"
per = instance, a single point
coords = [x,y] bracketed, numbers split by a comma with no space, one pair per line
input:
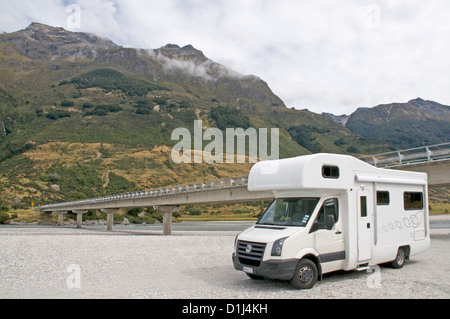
[329,242]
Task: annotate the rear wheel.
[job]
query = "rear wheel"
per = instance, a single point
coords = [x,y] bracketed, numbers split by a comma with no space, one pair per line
[305,274]
[399,260]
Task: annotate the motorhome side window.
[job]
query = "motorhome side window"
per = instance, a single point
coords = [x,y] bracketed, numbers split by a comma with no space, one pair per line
[330,171]
[383,198]
[413,200]
[329,207]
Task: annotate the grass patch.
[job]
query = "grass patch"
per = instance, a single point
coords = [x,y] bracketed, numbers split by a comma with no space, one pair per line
[439,208]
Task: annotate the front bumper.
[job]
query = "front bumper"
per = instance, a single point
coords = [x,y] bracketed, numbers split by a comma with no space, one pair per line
[274,269]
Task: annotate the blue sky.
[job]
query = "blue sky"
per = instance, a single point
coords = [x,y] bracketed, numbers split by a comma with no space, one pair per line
[323,55]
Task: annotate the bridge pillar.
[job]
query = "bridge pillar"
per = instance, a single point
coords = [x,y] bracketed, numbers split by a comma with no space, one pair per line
[110,217]
[167,218]
[80,216]
[60,217]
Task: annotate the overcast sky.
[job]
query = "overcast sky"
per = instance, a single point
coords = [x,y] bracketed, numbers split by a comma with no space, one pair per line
[323,55]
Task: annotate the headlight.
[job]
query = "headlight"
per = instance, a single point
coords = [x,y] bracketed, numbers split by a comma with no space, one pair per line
[278,246]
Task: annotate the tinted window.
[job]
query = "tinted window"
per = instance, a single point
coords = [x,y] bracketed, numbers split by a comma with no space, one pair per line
[329,207]
[363,208]
[413,200]
[383,198]
[330,171]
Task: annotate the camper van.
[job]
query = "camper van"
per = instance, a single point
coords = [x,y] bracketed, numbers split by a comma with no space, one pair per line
[332,212]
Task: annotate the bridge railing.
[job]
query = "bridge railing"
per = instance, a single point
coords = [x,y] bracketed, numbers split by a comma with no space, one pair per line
[161,191]
[410,156]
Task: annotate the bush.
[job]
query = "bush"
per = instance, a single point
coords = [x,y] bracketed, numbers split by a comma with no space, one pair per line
[241,211]
[66,103]
[226,117]
[352,149]
[102,110]
[304,136]
[87,105]
[4,217]
[53,177]
[134,212]
[160,100]
[57,114]
[194,211]
[110,80]
[140,220]
[142,110]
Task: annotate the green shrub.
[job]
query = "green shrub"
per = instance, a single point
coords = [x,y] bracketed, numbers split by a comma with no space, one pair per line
[352,149]
[57,114]
[226,117]
[87,105]
[304,136]
[160,100]
[4,217]
[143,110]
[194,211]
[118,218]
[241,211]
[67,103]
[140,220]
[134,212]
[110,80]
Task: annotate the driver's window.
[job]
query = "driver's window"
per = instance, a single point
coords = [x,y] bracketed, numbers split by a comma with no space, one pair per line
[329,207]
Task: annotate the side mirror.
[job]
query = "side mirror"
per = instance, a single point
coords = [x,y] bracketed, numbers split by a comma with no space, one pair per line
[329,222]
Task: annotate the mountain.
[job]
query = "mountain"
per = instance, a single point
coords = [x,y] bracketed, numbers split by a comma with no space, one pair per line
[81,116]
[341,119]
[405,125]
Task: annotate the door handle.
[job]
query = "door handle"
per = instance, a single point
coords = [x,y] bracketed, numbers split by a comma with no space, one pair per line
[368,225]
[338,232]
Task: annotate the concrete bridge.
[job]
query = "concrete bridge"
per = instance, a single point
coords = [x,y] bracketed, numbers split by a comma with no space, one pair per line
[165,199]
[434,160]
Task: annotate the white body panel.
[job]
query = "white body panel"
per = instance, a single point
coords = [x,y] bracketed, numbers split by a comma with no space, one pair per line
[366,232]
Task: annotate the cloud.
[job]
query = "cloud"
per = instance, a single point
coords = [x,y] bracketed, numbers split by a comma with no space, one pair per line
[323,55]
[200,70]
[16,15]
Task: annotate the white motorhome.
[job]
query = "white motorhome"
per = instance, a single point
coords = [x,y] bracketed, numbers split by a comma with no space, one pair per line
[332,212]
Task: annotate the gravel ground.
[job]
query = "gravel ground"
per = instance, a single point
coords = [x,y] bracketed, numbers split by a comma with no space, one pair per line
[50,262]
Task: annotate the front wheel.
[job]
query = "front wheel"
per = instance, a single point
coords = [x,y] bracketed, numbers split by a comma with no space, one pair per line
[305,274]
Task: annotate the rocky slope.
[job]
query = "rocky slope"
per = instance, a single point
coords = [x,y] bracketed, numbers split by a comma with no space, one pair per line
[405,125]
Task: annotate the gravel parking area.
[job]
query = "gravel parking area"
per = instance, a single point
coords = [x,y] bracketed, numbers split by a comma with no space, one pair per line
[51,262]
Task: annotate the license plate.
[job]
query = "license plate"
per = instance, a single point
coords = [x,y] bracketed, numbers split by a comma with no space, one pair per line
[248,270]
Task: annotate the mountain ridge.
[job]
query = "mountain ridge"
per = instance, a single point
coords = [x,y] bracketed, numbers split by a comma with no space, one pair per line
[76,108]
[417,122]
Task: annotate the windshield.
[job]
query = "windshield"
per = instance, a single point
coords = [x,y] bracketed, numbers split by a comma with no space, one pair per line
[289,212]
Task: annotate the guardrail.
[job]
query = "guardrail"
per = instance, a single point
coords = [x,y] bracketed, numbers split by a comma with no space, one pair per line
[161,191]
[427,154]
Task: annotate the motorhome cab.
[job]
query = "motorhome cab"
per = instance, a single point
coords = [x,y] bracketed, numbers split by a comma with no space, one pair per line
[332,212]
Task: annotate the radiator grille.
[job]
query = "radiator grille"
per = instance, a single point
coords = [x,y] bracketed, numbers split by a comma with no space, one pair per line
[250,253]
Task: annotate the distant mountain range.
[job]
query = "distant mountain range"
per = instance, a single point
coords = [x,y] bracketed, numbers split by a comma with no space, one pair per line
[415,123]
[81,116]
